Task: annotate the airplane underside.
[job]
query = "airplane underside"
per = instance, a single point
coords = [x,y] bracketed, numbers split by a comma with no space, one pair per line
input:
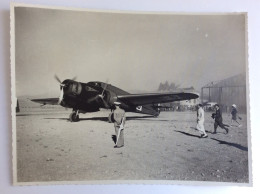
[147,109]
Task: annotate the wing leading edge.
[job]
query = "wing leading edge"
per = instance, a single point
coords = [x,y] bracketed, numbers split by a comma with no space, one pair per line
[154,98]
[44,101]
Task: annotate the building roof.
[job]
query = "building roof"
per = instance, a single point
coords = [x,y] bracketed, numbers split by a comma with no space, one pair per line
[234,81]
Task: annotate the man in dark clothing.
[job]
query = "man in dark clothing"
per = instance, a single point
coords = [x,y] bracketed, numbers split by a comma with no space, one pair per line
[218,120]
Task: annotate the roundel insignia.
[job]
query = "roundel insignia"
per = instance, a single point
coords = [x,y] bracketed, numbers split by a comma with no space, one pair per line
[139,108]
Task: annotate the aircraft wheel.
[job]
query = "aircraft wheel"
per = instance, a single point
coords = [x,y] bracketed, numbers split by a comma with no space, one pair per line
[158,113]
[74,117]
[111,118]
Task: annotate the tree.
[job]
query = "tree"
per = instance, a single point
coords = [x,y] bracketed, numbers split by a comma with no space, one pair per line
[160,87]
[168,87]
[174,86]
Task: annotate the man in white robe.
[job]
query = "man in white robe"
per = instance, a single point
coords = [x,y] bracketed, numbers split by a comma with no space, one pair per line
[200,121]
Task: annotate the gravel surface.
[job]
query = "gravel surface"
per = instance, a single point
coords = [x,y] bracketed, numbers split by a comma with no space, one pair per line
[50,148]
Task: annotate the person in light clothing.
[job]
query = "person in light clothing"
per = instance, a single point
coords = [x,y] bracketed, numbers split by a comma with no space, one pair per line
[200,121]
[235,115]
[119,122]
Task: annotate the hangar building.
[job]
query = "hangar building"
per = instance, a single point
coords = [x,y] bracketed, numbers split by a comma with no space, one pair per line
[227,92]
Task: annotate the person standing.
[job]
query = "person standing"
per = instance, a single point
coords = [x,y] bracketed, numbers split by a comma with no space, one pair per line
[119,122]
[234,115]
[218,120]
[200,121]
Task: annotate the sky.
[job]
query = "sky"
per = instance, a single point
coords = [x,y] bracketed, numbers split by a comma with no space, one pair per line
[133,51]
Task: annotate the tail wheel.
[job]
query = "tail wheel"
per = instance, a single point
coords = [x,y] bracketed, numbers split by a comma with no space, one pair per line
[74,117]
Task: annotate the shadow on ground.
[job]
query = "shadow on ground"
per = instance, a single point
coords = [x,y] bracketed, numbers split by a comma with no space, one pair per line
[188,134]
[231,144]
[106,118]
[197,130]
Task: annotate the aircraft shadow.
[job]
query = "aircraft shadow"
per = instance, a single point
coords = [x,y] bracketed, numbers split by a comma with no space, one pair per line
[22,115]
[231,144]
[94,119]
[29,114]
[139,117]
[105,119]
[191,135]
[57,119]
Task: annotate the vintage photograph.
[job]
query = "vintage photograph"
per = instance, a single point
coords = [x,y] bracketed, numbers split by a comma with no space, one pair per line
[129,97]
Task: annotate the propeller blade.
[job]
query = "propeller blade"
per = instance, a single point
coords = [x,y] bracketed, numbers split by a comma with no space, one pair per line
[74,78]
[101,96]
[98,98]
[95,98]
[105,87]
[105,103]
[61,95]
[57,78]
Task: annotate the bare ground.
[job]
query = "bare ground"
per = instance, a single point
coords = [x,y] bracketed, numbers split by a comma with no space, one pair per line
[50,148]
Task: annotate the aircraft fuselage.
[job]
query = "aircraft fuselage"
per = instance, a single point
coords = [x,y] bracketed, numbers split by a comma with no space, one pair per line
[91,96]
[86,96]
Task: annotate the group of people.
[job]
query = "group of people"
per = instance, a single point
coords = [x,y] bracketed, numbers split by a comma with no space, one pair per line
[217,116]
[119,122]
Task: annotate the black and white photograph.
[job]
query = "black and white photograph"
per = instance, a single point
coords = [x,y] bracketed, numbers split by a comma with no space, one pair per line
[102,97]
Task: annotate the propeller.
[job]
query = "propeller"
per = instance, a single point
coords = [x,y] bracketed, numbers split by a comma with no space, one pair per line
[105,87]
[57,78]
[61,95]
[104,102]
[102,95]
[61,89]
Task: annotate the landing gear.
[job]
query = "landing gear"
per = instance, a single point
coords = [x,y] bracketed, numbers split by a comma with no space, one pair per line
[74,116]
[111,117]
[157,114]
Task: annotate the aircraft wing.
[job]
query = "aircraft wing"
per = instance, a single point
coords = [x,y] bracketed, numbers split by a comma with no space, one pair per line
[44,101]
[155,98]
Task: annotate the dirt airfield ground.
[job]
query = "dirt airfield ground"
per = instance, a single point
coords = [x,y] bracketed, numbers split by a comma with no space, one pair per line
[50,148]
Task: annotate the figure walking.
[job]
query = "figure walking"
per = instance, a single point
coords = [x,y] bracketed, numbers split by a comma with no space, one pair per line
[119,122]
[200,121]
[218,120]
[234,115]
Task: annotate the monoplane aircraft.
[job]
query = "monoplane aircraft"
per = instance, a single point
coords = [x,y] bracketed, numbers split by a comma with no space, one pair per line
[92,96]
